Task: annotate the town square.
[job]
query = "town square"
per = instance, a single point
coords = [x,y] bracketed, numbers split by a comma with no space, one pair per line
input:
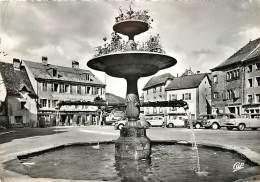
[130,90]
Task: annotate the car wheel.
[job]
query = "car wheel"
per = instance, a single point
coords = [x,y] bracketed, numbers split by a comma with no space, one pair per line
[241,127]
[170,125]
[253,128]
[215,126]
[197,125]
[120,126]
[230,128]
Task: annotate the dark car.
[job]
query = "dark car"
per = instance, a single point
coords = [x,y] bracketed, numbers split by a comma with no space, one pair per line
[200,122]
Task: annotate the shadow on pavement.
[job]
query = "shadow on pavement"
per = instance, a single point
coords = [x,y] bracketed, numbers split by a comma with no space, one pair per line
[16,133]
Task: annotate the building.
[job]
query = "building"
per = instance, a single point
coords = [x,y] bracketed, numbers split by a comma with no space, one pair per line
[54,83]
[236,82]
[19,107]
[154,90]
[195,89]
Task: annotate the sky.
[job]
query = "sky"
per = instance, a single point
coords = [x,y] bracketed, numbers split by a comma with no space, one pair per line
[200,34]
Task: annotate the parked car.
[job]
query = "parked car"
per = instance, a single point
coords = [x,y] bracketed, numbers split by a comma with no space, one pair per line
[199,123]
[155,121]
[245,121]
[177,120]
[219,121]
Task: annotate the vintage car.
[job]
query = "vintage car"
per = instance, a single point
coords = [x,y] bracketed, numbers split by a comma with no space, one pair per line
[245,121]
[219,121]
[155,120]
[199,123]
[177,120]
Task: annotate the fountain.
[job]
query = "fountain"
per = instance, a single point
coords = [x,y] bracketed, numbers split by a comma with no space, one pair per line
[131,61]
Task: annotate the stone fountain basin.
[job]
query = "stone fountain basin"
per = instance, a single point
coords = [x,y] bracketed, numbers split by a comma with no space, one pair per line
[132,63]
[170,161]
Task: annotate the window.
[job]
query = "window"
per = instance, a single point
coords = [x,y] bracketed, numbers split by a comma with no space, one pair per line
[160,89]
[250,99]
[71,89]
[249,68]
[228,76]
[183,97]
[49,103]
[174,97]
[147,110]
[56,85]
[55,73]
[161,110]
[52,87]
[54,103]
[232,75]
[257,66]
[257,81]
[88,90]
[257,98]
[23,104]
[147,92]
[43,102]
[67,88]
[187,96]
[154,90]
[44,86]
[62,88]
[215,79]
[87,77]
[78,89]
[154,110]
[250,82]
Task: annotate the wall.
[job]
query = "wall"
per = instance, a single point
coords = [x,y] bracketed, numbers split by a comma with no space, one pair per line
[28,114]
[192,102]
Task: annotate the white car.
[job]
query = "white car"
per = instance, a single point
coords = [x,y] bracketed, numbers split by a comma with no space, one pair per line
[155,121]
[177,121]
[245,121]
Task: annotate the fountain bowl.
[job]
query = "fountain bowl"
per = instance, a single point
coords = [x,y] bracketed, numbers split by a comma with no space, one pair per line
[131,27]
[131,63]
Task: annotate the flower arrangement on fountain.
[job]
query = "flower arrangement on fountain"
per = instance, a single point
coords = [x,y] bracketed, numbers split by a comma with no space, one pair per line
[153,44]
[141,15]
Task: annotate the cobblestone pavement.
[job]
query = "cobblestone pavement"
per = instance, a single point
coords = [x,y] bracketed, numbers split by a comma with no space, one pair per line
[22,141]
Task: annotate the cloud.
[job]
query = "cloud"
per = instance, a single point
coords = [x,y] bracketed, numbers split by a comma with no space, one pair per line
[199,34]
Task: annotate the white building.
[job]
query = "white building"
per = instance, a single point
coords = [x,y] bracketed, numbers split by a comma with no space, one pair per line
[195,89]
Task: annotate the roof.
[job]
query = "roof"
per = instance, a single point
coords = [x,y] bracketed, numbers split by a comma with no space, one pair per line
[114,99]
[250,51]
[157,80]
[41,71]
[186,82]
[15,80]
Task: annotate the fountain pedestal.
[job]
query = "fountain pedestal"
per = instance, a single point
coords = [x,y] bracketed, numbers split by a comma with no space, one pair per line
[133,142]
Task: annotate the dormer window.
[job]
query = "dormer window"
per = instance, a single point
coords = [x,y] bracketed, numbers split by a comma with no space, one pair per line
[54,73]
[86,76]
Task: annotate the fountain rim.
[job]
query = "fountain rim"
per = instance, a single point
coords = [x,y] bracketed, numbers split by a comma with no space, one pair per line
[102,58]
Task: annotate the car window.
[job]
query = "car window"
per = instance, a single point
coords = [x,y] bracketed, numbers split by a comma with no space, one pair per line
[232,116]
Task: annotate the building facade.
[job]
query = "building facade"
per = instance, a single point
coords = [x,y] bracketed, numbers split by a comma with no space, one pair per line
[195,89]
[19,108]
[236,82]
[54,83]
[154,90]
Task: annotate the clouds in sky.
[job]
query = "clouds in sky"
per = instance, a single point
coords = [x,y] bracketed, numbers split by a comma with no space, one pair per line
[199,34]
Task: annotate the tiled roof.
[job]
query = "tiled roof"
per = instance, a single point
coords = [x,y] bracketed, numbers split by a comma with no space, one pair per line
[157,80]
[15,80]
[186,82]
[41,71]
[249,51]
[114,99]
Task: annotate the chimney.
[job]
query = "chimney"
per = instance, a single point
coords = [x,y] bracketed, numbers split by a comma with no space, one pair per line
[17,64]
[75,64]
[44,60]
[198,72]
